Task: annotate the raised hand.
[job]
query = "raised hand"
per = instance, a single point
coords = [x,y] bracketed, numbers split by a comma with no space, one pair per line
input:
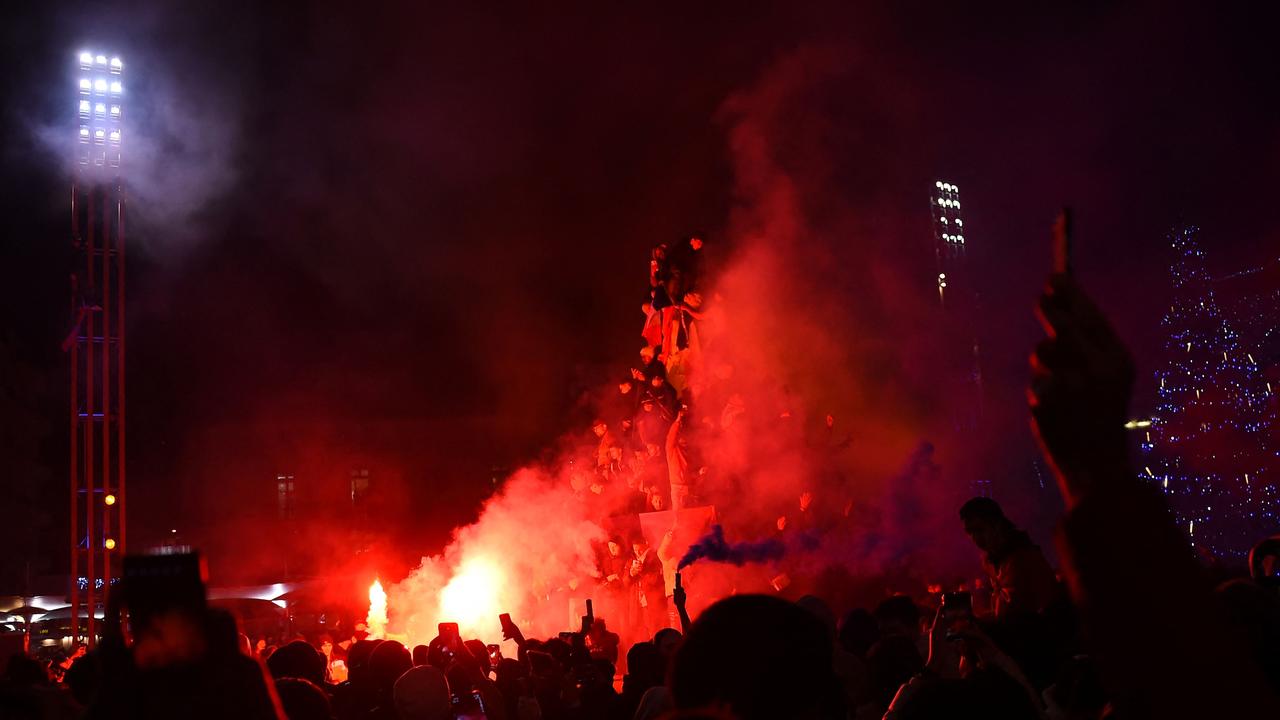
[1081,380]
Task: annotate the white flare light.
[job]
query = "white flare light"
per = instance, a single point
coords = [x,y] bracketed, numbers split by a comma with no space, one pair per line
[100,85]
[86,58]
[116,87]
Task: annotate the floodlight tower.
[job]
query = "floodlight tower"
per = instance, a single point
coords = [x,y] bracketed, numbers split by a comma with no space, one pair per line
[96,343]
[958,301]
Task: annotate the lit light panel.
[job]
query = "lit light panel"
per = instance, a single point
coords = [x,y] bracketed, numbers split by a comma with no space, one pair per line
[99,130]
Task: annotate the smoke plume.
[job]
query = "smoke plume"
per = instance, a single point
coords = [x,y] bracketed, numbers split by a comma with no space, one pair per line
[812,398]
[713,547]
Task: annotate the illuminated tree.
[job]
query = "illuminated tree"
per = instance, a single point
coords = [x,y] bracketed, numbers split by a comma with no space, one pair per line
[1207,445]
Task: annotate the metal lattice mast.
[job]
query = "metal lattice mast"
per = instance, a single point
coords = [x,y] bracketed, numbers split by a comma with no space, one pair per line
[96,343]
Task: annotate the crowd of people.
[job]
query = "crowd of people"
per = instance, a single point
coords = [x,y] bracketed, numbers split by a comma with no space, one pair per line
[667,439]
[1130,626]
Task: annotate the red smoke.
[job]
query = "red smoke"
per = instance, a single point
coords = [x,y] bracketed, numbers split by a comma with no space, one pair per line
[809,382]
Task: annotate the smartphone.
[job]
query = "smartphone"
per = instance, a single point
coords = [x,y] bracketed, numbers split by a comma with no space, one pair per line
[449,634]
[590,611]
[678,585]
[508,627]
[495,655]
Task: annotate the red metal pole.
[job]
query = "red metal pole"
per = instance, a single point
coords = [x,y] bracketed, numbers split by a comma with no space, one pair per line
[73,589]
[87,485]
[120,417]
[96,503]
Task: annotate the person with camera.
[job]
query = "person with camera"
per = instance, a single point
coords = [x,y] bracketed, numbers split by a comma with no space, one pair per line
[1021,579]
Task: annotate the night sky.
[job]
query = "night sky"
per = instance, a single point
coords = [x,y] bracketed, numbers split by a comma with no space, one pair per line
[349,213]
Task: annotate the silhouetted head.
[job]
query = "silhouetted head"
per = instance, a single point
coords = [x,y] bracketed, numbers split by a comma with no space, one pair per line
[422,693]
[644,665]
[818,608]
[858,632]
[387,662]
[421,653]
[985,524]
[302,699]
[358,656]
[1253,612]
[760,656]
[297,660]
[898,615]
[666,641]
[480,652]
[1264,562]
[222,631]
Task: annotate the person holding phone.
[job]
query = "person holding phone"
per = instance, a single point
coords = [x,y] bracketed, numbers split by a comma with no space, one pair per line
[1021,579]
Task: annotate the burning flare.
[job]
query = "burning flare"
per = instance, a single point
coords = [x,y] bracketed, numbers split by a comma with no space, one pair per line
[471,597]
[376,622]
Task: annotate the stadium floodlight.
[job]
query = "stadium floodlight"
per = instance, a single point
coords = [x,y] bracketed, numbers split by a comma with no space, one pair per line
[100,109]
